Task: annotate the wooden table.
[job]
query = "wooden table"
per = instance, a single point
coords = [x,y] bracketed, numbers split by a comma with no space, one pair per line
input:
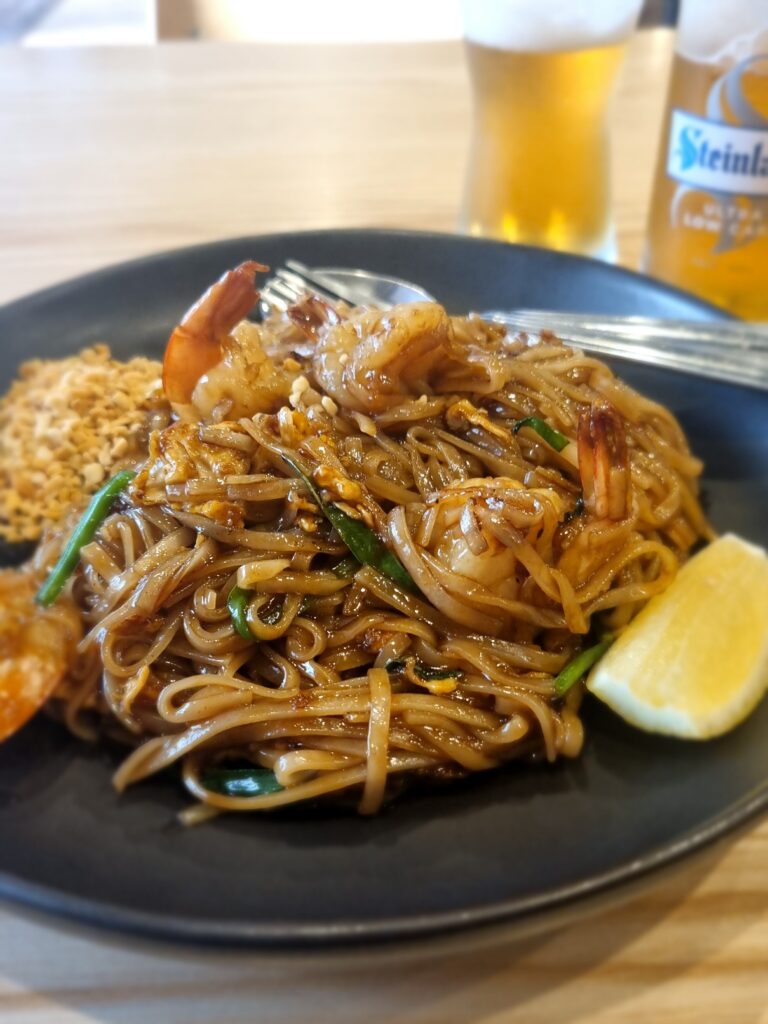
[109,154]
[112,153]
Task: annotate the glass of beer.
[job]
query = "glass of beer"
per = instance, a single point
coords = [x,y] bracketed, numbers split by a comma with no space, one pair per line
[543,73]
[708,225]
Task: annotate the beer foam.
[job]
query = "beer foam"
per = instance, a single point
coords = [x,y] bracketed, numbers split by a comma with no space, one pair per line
[549,25]
[722,32]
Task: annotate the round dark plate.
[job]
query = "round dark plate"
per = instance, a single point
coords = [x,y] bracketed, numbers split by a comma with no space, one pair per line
[497,849]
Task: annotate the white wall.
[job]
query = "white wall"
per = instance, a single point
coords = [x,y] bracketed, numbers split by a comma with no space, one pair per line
[325,21]
[99,22]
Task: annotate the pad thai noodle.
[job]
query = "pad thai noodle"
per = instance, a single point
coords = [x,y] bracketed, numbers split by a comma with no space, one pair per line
[359,548]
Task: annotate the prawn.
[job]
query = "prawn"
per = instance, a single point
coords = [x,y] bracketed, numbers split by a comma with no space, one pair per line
[480,541]
[373,360]
[195,344]
[604,461]
[478,525]
[37,646]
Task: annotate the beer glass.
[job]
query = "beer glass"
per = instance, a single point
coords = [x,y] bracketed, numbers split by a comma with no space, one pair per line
[708,225]
[543,73]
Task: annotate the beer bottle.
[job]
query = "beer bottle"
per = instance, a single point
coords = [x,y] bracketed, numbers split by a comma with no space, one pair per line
[708,223]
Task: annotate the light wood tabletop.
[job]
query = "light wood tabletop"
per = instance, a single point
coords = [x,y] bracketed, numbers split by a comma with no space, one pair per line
[109,154]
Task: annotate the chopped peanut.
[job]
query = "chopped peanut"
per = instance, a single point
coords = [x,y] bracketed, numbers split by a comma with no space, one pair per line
[68,424]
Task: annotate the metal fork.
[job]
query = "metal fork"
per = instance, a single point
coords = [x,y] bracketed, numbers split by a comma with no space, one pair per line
[689,334]
[737,366]
[354,287]
[733,352]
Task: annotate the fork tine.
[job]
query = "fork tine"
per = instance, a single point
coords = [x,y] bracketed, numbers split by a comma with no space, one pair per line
[270,301]
[307,282]
[314,284]
[287,290]
[278,294]
[285,287]
[292,282]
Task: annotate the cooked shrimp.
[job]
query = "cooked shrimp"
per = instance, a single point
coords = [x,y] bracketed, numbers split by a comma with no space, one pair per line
[373,360]
[194,346]
[479,548]
[244,382]
[604,461]
[37,646]
[479,523]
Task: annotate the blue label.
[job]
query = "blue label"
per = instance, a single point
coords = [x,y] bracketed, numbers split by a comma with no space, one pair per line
[717,157]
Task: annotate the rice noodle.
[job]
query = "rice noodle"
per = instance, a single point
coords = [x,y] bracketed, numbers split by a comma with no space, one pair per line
[340,676]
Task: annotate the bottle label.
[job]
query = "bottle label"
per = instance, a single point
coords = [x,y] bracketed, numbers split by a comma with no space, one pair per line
[720,158]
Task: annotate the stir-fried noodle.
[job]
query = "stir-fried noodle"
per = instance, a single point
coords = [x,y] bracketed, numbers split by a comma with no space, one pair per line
[425,521]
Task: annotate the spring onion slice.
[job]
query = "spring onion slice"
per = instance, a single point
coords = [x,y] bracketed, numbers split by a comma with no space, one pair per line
[241,781]
[429,673]
[85,531]
[553,437]
[580,665]
[237,603]
[359,538]
[308,603]
[346,568]
[576,511]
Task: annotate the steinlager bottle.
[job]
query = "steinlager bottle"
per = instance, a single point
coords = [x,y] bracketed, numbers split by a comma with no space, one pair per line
[708,225]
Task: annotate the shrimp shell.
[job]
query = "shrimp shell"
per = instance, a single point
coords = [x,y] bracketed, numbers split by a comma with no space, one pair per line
[37,646]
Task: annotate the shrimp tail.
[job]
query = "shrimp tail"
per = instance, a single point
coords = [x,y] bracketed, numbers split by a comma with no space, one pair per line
[194,346]
[604,461]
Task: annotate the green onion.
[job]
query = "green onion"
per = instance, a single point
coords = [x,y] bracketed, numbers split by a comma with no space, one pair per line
[577,510]
[85,531]
[359,538]
[271,616]
[553,437]
[367,548]
[428,673]
[241,781]
[237,603]
[580,665]
[346,567]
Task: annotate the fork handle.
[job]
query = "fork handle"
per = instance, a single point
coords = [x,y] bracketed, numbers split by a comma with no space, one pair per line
[678,333]
[748,368]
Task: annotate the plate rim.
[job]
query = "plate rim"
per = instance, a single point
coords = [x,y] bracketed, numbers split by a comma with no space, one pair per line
[344,934]
[135,263]
[313,936]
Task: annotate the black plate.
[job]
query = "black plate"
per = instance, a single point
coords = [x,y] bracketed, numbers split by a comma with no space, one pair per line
[498,848]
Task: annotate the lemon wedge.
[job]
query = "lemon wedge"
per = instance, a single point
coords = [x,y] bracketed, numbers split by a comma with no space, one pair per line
[694,662]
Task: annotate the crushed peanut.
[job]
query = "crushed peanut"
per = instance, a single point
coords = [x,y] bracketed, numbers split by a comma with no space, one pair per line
[307,523]
[298,387]
[67,425]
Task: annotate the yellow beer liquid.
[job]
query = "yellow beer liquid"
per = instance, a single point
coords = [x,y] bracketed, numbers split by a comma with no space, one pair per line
[683,252]
[538,170]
